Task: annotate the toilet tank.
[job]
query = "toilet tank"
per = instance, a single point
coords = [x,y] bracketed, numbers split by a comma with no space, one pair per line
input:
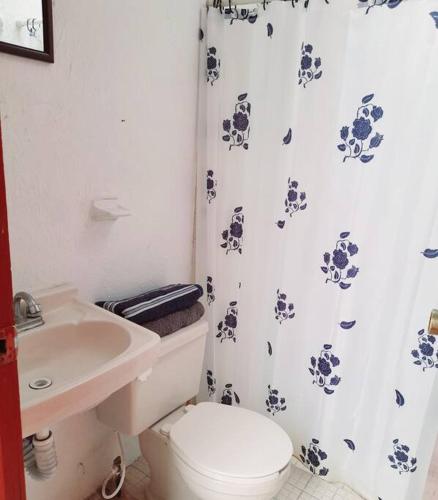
[174,379]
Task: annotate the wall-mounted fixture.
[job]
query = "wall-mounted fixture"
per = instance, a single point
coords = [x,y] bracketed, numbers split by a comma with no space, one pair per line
[32,24]
[108,209]
[433,323]
[27,29]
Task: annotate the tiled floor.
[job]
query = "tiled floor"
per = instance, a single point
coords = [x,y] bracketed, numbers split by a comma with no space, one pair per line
[301,485]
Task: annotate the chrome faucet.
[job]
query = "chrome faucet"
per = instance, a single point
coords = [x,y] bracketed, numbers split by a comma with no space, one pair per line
[27,312]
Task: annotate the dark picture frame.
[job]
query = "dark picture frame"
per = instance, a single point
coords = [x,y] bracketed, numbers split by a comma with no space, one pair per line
[47,54]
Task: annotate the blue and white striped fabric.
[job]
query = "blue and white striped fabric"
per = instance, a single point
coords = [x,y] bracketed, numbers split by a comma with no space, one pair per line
[154,304]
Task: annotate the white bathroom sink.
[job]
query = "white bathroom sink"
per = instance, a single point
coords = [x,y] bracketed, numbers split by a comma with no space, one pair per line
[82,353]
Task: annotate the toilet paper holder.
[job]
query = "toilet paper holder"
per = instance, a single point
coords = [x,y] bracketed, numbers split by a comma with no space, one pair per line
[432,328]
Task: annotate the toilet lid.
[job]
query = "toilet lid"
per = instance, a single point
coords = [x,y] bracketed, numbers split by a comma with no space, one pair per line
[217,439]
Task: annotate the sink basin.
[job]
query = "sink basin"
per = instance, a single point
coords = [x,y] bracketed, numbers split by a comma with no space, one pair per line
[79,357]
[70,351]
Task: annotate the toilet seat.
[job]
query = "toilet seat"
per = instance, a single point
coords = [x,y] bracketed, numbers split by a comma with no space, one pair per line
[230,446]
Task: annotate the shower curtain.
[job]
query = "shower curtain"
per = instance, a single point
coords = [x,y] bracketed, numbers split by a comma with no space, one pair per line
[317,229]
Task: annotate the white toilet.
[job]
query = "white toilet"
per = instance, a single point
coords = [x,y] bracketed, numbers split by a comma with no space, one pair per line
[207,451]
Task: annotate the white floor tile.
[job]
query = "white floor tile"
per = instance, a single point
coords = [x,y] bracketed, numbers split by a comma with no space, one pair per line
[320,489]
[289,492]
[307,496]
[301,485]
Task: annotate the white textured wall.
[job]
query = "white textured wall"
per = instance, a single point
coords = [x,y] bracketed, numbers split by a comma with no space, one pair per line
[115,115]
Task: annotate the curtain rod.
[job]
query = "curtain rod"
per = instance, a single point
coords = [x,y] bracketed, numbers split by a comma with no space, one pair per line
[233,3]
[225,3]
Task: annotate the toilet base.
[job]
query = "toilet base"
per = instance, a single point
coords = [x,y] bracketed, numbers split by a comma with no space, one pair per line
[178,490]
[166,483]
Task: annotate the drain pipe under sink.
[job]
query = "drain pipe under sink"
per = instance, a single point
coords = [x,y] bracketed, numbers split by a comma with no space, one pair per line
[118,473]
[39,455]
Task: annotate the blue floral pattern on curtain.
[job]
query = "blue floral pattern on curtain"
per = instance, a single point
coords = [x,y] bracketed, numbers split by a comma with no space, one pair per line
[294,201]
[210,290]
[425,355]
[313,456]
[400,458]
[275,402]
[227,328]
[291,312]
[213,65]
[229,396]
[370,4]
[337,264]
[211,383]
[358,139]
[233,237]
[211,186]
[283,309]
[310,68]
[237,128]
[322,369]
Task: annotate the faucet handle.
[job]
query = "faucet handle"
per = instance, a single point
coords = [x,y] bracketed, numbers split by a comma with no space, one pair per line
[33,310]
[26,306]
[27,312]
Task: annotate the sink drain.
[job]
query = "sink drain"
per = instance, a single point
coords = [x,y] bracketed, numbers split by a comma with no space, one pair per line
[40,383]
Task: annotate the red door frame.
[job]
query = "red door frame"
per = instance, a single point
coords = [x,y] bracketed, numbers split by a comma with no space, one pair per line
[11,458]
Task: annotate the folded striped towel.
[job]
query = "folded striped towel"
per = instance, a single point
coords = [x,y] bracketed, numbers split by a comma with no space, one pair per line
[177,320]
[154,304]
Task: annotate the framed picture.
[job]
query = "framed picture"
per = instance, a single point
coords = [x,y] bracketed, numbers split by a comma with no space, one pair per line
[26,28]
